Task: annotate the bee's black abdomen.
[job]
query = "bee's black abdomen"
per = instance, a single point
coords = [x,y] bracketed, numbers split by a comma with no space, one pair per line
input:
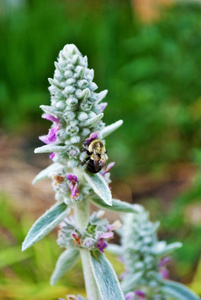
[91,167]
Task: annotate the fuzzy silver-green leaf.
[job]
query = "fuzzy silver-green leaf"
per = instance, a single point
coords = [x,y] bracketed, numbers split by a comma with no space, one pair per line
[178,291]
[93,121]
[100,187]
[110,128]
[105,277]
[64,263]
[118,205]
[50,148]
[48,221]
[162,249]
[55,167]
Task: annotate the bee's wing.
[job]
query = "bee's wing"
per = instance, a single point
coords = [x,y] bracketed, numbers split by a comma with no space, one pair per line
[96,161]
[96,158]
[102,160]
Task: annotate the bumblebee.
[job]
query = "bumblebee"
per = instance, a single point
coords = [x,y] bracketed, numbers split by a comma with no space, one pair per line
[96,159]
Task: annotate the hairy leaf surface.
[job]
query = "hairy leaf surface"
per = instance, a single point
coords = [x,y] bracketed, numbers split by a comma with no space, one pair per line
[105,277]
[48,221]
[50,148]
[178,291]
[162,249]
[64,263]
[55,167]
[110,128]
[100,187]
[93,121]
[118,205]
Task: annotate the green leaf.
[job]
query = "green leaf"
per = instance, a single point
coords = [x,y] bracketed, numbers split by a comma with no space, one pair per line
[105,277]
[100,186]
[49,220]
[55,167]
[118,205]
[64,263]
[110,128]
[50,148]
[93,121]
[178,291]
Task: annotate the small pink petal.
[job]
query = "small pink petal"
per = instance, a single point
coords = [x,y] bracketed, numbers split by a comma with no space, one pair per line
[103,106]
[106,235]
[130,296]
[52,155]
[108,168]
[50,118]
[72,177]
[139,293]
[164,261]
[101,245]
[92,137]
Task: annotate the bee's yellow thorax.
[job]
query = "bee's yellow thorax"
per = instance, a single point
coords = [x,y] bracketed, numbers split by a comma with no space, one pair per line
[97,145]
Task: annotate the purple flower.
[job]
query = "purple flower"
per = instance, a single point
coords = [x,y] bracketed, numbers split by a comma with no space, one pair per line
[106,235]
[108,168]
[164,261]
[103,106]
[115,225]
[52,155]
[164,272]
[130,296]
[72,177]
[140,294]
[92,137]
[51,137]
[73,185]
[101,243]
[50,118]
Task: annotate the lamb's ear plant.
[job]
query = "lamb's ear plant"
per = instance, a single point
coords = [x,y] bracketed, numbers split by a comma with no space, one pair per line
[145,259]
[79,176]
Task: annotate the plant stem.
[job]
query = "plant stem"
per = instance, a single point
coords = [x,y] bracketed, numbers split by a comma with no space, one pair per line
[82,212]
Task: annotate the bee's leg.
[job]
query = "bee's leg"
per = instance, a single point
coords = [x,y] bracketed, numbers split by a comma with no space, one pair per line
[84,161]
[83,149]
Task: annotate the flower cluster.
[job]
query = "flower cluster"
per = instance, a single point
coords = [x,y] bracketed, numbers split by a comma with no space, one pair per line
[141,254]
[76,109]
[75,112]
[95,236]
[66,187]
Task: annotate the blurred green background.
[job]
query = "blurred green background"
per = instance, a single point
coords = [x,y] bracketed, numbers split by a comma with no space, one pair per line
[152,71]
